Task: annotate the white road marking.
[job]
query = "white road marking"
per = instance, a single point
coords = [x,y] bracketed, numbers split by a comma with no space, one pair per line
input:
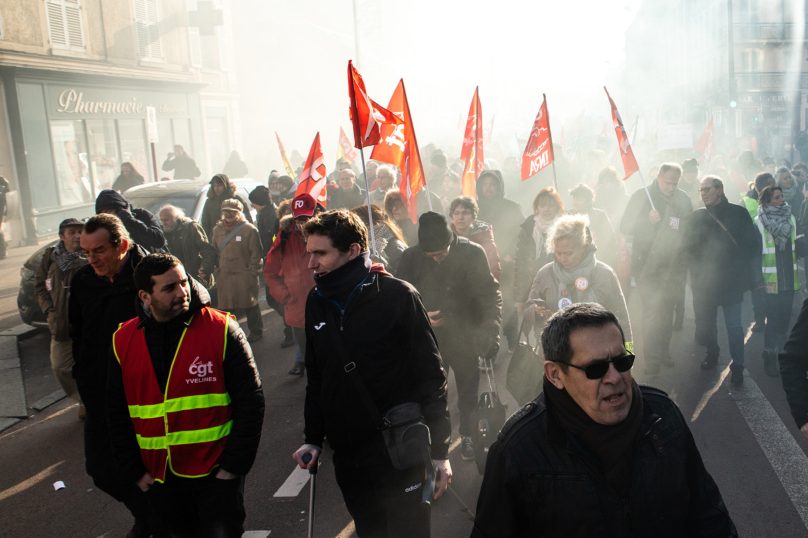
[293,484]
[785,456]
[709,394]
[256,534]
[348,531]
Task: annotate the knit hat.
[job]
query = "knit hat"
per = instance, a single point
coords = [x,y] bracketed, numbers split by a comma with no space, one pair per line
[260,195]
[303,205]
[231,204]
[434,233]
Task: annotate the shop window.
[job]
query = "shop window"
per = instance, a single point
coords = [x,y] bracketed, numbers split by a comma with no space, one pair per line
[133,146]
[72,165]
[105,164]
[750,60]
[218,139]
[147,22]
[182,136]
[164,145]
[64,24]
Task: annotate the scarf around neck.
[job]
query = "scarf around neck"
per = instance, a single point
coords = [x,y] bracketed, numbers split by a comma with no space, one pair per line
[63,257]
[338,284]
[789,193]
[540,230]
[612,445]
[580,276]
[777,220]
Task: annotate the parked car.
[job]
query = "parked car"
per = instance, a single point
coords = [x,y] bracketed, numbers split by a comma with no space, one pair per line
[27,304]
[187,194]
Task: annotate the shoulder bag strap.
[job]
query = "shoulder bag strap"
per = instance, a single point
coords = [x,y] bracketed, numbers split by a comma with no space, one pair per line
[349,367]
[230,236]
[731,237]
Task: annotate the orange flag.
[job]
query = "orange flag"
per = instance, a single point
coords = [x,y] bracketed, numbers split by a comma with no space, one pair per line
[472,151]
[705,143]
[313,177]
[400,147]
[345,150]
[539,150]
[626,153]
[366,115]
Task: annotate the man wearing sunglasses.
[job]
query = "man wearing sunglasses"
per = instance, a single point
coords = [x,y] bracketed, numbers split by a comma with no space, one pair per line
[595,454]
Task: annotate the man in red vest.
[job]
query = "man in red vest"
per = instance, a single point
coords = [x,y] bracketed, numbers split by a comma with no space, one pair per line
[184,402]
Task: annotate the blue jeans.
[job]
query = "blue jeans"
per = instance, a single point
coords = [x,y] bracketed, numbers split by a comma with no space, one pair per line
[299,336]
[707,327]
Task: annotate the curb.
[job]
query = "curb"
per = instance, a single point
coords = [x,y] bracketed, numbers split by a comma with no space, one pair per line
[13,405]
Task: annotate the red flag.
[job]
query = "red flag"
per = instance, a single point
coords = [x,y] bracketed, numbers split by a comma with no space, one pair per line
[400,147]
[313,177]
[347,150]
[366,115]
[489,131]
[626,153]
[472,151]
[704,145]
[539,149]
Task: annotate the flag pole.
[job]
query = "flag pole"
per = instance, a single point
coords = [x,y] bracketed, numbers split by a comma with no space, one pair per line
[418,149]
[358,137]
[550,134]
[646,189]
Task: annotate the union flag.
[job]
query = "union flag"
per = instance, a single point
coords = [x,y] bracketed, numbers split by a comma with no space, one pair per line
[539,150]
[366,115]
[313,177]
[472,151]
[626,153]
[704,145]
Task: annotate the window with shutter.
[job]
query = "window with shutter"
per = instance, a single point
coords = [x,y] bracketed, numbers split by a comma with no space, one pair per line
[64,24]
[194,40]
[224,56]
[147,24]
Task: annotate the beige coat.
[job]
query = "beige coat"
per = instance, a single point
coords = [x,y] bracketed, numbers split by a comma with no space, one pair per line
[239,266]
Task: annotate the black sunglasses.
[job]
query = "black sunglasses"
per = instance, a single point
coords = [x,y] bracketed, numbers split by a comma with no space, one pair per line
[599,369]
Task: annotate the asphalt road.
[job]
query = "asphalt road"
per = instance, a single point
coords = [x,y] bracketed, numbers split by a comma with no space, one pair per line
[746,436]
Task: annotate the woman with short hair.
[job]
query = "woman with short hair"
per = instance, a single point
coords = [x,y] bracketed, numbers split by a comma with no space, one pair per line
[463,211]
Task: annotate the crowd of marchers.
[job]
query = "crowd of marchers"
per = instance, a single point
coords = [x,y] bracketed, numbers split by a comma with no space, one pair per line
[142,312]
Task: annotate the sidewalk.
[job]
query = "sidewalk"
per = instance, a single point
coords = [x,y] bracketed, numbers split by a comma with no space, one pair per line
[10,284]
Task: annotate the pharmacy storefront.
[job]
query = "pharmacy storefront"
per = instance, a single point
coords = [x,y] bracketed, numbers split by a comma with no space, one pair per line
[69,140]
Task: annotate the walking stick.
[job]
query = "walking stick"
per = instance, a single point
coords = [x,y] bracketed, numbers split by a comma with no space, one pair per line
[313,472]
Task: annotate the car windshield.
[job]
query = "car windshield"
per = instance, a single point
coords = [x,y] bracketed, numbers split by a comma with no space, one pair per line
[153,201]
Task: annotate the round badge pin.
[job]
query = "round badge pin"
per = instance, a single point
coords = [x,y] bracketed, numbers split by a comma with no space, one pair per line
[564,293]
[564,303]
[581,284]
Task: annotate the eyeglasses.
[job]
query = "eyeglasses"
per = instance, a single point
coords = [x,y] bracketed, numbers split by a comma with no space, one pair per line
[598,370]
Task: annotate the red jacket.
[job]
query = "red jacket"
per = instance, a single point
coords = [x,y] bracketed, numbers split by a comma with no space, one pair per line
[287,274]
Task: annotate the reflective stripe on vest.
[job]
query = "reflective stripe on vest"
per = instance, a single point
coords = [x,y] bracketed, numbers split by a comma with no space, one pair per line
[770,256]
[186,428]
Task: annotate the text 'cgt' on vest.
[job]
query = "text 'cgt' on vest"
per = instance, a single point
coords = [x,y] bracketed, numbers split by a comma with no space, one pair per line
[186,428]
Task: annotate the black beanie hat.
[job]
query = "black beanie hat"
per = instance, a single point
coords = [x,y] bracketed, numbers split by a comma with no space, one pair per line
[434,233]
[260,195]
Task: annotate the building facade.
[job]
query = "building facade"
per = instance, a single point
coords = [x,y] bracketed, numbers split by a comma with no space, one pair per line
[76,78]
[683,66]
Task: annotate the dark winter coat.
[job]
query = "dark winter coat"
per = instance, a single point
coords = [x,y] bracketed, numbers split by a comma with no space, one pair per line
[526,266]
[124,183]
[655,248]
[504,215]
[541,481]
[95,309]
[143,227]
[188,242]
[267,223]
[241,378]
[463,289]
[212,212]
[387,334]
[183,165]
[342,199]
[794,368]
[409,230]
[482,233]
[53,301]
[235,167]
[723,264]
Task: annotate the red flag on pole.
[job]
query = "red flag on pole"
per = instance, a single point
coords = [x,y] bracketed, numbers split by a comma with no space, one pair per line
[704,145]
[366,115]
[626,153]
[400,147]
[346,150]
[539,150]
[472,151]
[313,177]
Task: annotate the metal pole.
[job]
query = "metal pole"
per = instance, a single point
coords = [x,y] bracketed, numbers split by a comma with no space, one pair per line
[356,33]
[646,189]
[154,163]
[370,210]
[313,473]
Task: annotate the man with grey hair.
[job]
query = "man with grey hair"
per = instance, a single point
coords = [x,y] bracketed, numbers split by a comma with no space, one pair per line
[596,454]
[187,241]
[722,248]
[386,181]
[657,226]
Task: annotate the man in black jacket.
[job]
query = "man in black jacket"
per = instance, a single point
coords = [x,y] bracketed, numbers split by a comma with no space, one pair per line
[656,262]
[171,304]
[143,227]
[348,195]
[505,216]
[595,454]
[102,296]
[386,333]
[187,241]
[183,164]
[794,370]
[722,247]
[464,306]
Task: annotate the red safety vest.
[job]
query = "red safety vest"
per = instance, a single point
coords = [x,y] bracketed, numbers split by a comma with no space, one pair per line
[187,427]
